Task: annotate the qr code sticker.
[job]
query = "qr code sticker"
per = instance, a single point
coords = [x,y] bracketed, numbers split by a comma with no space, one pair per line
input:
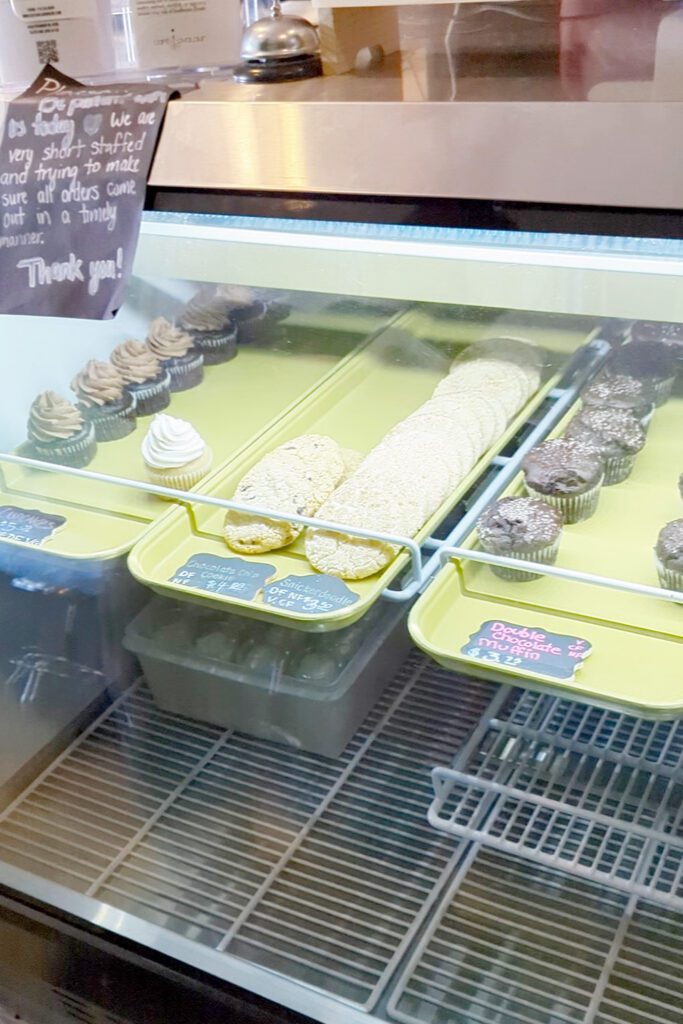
[48,52]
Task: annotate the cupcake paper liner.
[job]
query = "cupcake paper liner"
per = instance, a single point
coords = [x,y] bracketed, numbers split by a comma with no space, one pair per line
[239,314]
[662,390]
[183,478]
[645,419]
[618,469]
[261,332]
[546,556]
[186,371]
[151,396]
[670,579]
[77,451]
[277,311]
[574,507]
[113,420]
[216,346]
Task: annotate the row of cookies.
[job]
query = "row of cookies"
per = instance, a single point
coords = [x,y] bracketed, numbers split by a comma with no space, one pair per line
[405,479]
[399,485]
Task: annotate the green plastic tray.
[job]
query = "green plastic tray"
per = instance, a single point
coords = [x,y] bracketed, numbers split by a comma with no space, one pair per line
[637,659]
[356,406]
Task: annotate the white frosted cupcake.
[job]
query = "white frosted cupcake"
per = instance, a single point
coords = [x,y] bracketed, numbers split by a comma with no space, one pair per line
[174,453]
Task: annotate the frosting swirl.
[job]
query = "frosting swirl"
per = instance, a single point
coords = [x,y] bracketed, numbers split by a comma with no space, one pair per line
[53,418]
[135,362]
[167,341]
[98,383]
[240,294]
[205,312]
[171,442]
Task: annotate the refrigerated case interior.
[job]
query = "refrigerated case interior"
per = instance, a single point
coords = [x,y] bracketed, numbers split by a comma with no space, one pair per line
[312,810]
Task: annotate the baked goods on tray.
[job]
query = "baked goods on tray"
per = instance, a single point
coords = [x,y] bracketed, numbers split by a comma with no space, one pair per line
[296,477]
[407,476]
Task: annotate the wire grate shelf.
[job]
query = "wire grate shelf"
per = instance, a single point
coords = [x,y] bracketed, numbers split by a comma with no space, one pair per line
[319,869]
[515,943]
[595,792]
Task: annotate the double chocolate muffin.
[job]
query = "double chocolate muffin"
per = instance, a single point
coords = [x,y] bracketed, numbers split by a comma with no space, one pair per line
[615,433]
[651,361]
[659,330]
[566,474]
[523,528]
[669,555]
[621,392]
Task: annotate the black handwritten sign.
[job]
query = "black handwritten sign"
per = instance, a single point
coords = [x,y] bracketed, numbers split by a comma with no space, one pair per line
[27,525]
[527,649]
[73,169]
[309,595]
[229,577]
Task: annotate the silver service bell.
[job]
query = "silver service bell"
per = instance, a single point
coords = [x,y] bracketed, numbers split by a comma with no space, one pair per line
[279,48]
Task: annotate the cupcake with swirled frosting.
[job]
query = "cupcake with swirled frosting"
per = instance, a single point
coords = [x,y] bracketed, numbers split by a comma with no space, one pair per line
[144,376]
[207,319]
[174,453]
[174,349]
[57,432]
[104,400]
[258,312]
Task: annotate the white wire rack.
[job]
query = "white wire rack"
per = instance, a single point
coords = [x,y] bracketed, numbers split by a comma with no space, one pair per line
[515,943]
[319,869]
[594,792]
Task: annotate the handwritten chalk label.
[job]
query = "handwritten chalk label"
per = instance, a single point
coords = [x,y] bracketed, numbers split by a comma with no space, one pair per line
[309,595]
[73,170]
[229,577]
[27,525]
[527,650]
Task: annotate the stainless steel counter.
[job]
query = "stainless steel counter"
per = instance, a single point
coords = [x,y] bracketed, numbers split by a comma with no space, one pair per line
[480,114]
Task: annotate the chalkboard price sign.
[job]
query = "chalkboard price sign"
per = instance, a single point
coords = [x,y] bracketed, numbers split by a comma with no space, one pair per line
[527,650]
[73,170]
[309,595]
[27,525]
[227,577]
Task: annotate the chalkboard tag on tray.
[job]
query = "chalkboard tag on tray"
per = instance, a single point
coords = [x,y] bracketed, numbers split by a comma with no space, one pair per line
[27,525]
[309,595]
[225,577]
[526,650]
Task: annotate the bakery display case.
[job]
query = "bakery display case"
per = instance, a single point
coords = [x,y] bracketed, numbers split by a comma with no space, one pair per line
[341,572]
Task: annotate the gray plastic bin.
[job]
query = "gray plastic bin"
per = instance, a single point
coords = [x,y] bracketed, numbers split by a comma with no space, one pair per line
[310,691]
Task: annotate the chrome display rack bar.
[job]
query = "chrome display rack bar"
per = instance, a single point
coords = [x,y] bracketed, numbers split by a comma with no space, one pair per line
[594,792]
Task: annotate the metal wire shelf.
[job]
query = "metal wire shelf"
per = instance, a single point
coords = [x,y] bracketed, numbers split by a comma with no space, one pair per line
[596,793]
[517,943]
[320,870]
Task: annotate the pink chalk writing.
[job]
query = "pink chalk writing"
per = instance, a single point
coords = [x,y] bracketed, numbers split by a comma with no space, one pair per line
[525,647]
